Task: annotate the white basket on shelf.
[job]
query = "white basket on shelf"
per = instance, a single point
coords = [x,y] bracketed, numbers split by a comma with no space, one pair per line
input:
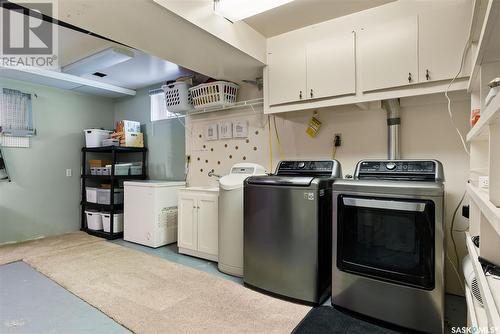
[214,94]
[177,97]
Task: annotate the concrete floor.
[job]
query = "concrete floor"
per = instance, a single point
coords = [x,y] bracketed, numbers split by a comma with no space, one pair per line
[32,303]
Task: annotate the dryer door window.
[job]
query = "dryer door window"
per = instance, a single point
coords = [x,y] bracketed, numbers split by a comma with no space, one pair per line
[387,239]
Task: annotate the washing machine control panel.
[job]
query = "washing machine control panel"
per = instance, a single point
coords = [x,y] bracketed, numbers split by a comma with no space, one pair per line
[397,169]
[307,167]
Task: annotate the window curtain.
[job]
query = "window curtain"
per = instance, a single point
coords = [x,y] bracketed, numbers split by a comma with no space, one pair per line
[3,170]
[15,111]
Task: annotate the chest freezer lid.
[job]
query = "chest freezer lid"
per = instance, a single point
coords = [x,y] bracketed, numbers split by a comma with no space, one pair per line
[154,183]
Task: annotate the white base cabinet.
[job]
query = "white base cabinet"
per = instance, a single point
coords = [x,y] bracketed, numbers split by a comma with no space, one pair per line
[199,222]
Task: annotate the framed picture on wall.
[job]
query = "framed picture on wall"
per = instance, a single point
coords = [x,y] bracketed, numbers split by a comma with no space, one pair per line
[212,131]
[240,129]
[225,130]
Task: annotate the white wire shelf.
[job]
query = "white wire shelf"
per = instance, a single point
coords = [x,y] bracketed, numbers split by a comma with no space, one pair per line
[238,105]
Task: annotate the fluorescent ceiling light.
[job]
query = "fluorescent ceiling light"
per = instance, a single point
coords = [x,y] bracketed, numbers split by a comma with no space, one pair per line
[98,61]
[236,10]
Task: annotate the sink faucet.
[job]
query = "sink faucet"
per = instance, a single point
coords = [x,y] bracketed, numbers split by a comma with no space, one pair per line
[212,174]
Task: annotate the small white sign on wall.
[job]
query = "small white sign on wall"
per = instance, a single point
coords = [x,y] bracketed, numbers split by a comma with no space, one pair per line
[211,132]
[240,129]
[225,130]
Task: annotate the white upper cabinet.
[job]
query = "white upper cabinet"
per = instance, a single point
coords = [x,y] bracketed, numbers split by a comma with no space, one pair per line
[301,69]
[286,60]
[388,54]
[442,38]
[331,66]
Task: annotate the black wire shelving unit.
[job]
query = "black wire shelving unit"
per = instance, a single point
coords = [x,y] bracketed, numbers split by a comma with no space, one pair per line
[113,180]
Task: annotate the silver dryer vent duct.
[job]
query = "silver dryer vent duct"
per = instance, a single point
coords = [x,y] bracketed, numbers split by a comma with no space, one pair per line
[393,122]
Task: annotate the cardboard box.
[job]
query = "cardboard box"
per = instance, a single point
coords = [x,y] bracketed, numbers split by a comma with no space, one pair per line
[131,126]
[133,139]
[98,163]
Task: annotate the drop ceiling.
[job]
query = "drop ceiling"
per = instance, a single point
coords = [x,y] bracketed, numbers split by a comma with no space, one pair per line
[301,13]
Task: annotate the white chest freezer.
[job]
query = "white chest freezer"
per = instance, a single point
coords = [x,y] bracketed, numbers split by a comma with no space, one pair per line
[150,212]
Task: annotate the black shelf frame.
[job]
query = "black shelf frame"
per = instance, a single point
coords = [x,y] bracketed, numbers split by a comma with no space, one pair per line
[113,179]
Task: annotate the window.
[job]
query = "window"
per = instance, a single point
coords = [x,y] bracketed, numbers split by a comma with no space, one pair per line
[159,107]
[15,112]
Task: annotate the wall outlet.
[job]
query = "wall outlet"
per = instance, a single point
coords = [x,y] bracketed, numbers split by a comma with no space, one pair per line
[69,172]
[337,139]
[484,182]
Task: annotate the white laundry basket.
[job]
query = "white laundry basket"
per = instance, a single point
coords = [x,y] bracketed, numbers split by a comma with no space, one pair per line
[177,97]
[214,94]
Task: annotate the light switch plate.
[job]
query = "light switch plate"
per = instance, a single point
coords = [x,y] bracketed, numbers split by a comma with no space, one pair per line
[69,172]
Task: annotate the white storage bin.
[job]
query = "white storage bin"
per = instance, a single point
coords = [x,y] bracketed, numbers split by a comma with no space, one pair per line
[91,194]
[94,170]
[214,94]
[105,170]
[94,137]
[117,222]
[94,220]
[110,142]
[104,196]
[177,97]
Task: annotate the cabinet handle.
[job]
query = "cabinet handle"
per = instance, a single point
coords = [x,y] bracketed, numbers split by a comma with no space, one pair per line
[427,75]
[300,95]
[312,94]
[409,77]
[198,207]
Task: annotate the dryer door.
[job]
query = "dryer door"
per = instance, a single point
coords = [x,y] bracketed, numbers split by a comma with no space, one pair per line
[387,239]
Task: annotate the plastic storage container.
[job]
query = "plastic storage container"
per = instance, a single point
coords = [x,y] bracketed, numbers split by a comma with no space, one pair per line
[111,142]
[105,170]
[94,137]
[117,222]
[214,94]
[94,170]
[104,196]
[94,220]
[120,169]
[135,170]
[177,97]
[91,194]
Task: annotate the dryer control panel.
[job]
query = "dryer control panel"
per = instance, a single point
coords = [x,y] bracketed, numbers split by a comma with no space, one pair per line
[411,170]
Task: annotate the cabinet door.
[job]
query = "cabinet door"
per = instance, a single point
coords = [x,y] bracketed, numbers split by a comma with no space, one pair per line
[442,37]
[208,224]
[187,232]
[286,61]
[331,67]
[389,54]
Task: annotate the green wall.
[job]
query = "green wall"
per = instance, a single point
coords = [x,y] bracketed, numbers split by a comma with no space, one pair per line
[165,139]
[41,200]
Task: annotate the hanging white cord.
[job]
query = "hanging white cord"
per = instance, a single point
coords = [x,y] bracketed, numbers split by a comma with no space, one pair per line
[462,61]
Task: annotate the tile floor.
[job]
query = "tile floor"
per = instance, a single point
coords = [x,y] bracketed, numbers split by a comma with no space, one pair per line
[32,303]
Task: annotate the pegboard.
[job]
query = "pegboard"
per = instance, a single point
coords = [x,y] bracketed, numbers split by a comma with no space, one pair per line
[218,156]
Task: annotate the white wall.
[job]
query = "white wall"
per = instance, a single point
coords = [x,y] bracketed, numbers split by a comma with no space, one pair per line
[41,200]
[164,139]
[426,132]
